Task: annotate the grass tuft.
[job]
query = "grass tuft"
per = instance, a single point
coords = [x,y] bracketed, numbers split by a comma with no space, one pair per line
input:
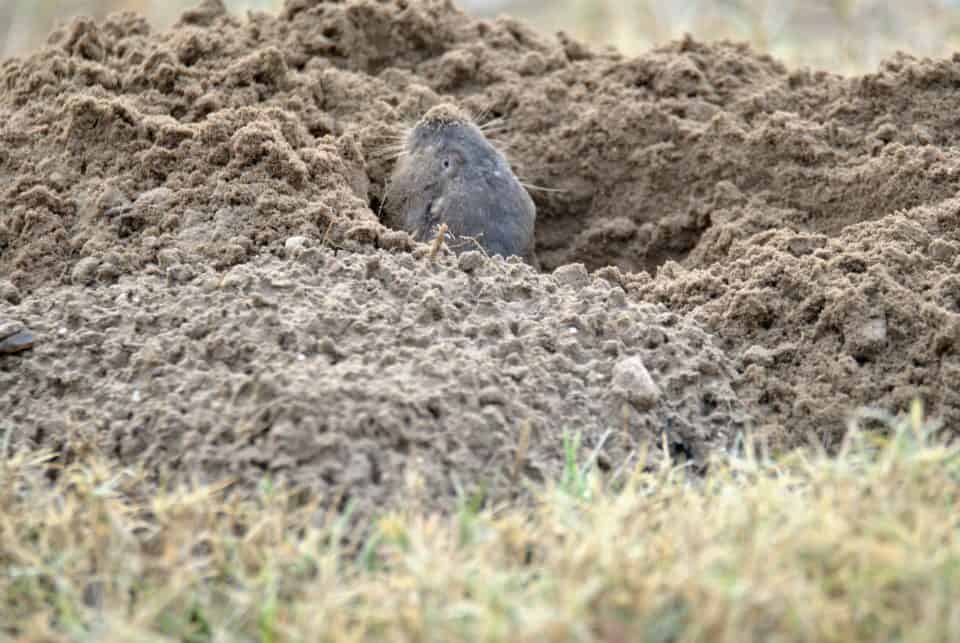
[864,545]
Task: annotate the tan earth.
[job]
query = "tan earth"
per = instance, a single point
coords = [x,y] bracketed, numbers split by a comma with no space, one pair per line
[189,231]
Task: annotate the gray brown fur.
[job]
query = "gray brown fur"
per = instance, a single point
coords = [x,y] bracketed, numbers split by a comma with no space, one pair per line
[450,173]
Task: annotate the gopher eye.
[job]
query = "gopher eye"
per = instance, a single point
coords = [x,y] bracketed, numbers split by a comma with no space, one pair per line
[451,159]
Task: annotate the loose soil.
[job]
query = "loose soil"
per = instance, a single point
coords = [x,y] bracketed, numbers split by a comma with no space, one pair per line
[192,226]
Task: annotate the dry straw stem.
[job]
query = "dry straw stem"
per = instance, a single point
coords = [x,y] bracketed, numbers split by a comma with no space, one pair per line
[861,546]
[438,241]
[523,446]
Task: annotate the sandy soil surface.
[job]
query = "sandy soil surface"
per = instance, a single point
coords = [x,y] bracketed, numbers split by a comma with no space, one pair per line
[189,227]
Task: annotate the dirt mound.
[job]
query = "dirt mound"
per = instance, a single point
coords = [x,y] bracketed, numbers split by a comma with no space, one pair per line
[276,126]
[802,218]
[348,373]
[821,325]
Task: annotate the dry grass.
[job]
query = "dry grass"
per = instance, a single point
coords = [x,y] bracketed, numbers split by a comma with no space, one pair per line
[845,36]
[861,546]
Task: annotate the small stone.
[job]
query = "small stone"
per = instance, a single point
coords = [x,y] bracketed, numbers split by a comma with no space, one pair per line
[571,347]
[235,279]
[469,261]
[258,300]
[107,272]
[84,270]
[111,200]
[242,241]
[282,462]
[294,246]
[373,266]
[312,257]
[492,395]
[181,273]
[9,327]
[574,275]
[155,197]
[16,343]
[9,292]
[757,355]
[611,274]
[708,367]
[431,302]
[867,338]
[940,250]
[632,382]
[210,284]
[168,257]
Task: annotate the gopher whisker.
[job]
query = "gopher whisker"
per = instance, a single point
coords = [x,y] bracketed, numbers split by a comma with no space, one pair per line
[387,154]
[492,124]
[540,188]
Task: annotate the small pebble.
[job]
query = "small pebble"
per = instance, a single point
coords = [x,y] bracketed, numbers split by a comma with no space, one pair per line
[313,257]
[632,381]
[84,270]
[294,246]
[373,266]
[574,275]
[180,272]
[210,284]
[9,292]
[235,279]
[866,338]
[469,261]
[757,354]
[107,272]
[168,257]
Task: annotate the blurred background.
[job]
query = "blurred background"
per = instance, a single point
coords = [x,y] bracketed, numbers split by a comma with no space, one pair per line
[846,36]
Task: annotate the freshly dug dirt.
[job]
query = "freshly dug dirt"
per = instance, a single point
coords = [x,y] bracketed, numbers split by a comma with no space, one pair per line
[192,227]
[356,373]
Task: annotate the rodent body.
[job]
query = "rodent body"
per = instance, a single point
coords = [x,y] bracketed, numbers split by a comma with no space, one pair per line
[449,173]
